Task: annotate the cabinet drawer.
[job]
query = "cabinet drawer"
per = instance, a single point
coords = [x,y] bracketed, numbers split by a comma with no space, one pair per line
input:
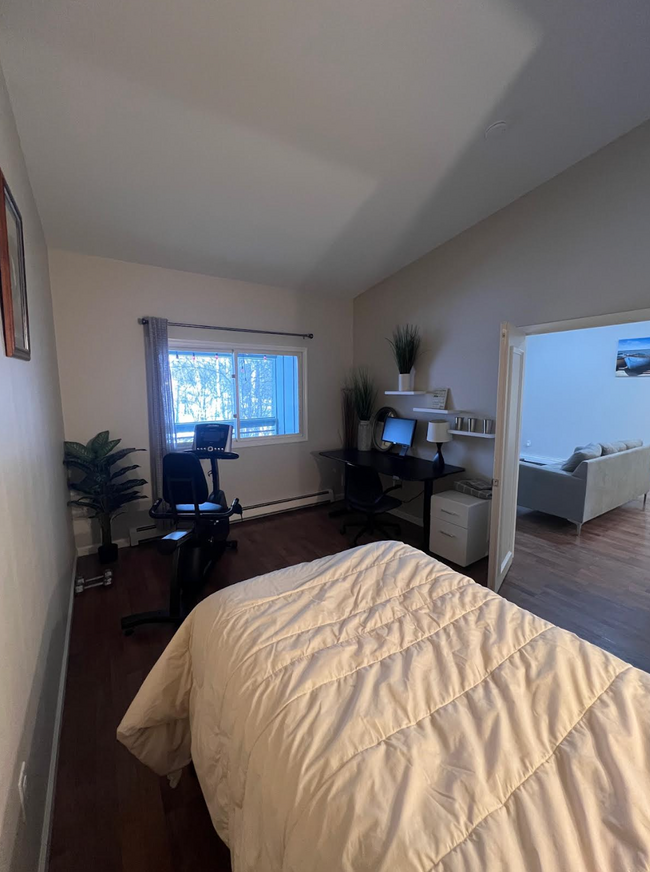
[444,509]
[449,541]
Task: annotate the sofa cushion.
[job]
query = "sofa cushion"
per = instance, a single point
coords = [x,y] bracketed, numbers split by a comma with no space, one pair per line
[633,443]
[587,452]
[613,447]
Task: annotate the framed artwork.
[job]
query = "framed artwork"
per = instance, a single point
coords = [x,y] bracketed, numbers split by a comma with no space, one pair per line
[439,398]
[13,286]
[633,357]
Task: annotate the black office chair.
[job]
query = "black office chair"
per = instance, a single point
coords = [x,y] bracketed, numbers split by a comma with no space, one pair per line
[364,494]
[195,550]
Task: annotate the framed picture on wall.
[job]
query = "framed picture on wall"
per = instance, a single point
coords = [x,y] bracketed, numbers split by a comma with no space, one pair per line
[13,285]
[633,357]
[439,398]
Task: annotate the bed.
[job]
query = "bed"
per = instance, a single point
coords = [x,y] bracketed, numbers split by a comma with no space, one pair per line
[375,711]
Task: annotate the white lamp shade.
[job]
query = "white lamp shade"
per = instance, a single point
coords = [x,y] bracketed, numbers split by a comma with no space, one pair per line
[438,431]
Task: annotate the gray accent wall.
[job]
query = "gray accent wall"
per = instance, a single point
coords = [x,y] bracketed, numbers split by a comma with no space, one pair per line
[576,246]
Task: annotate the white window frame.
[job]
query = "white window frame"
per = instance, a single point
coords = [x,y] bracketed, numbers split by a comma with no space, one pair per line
[226,347]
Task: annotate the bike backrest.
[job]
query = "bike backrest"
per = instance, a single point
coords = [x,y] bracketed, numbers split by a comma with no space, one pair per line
[183,479]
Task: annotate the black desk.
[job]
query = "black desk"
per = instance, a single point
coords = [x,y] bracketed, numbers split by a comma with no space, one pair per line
[405,468]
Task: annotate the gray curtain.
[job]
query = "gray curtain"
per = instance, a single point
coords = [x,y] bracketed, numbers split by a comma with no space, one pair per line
[160,401]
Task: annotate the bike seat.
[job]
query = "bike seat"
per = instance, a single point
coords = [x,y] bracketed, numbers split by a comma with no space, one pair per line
[204,508]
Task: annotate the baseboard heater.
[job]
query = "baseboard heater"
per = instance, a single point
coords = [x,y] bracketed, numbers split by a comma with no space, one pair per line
[286,505]
[258,510]
[144,532]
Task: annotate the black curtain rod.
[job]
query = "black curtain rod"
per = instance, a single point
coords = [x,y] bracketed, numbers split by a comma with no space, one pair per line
[232,329]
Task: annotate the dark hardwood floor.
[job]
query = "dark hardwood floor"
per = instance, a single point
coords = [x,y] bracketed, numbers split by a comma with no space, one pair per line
[113,815]
[597,585]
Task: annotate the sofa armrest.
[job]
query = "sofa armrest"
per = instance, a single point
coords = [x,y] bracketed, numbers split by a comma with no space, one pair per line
[551,490]
[614,479]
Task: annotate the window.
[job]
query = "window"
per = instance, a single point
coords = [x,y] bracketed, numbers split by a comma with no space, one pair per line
[260,391]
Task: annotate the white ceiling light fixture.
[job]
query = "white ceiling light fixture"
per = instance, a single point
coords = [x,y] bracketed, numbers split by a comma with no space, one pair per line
[496,130]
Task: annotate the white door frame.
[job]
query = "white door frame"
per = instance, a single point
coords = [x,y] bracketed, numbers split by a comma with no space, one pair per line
[503,527]
[606,320]
[588,322]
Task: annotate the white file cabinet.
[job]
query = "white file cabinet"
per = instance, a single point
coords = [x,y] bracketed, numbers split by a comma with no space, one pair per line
[460,527]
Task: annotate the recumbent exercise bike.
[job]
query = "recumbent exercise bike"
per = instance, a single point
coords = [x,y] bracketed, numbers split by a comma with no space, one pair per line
[194,550]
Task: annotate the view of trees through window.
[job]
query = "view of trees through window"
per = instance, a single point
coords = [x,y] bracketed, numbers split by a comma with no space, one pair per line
[205,386]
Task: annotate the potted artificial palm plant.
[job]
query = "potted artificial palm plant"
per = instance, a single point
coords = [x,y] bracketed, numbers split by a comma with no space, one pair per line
[364,395]
[406,349]
[103,490]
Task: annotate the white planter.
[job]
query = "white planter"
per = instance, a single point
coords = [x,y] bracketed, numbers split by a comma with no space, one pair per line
[406,380]
[364,436]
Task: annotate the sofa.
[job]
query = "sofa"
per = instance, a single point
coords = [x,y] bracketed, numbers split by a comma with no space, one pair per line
[594,487]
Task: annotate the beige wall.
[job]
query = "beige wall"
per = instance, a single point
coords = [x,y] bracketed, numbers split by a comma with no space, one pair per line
[576,246]
[101,359]
[35,540]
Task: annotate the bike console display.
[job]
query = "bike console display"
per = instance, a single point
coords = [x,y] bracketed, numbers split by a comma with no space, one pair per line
[213,437]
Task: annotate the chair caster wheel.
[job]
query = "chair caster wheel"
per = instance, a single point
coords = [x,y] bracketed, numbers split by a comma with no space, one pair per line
[128,632]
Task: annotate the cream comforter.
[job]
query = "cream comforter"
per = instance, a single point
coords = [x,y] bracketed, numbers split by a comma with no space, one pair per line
[375,711]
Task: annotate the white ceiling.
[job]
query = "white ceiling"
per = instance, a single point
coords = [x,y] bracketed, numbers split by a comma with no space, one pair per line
[316,145]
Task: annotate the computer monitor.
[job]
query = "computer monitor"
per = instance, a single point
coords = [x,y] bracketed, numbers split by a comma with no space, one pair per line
[400,431]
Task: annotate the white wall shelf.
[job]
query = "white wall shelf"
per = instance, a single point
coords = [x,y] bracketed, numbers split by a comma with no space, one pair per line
[469,433]
[404,393]
[446,412]
[461,413]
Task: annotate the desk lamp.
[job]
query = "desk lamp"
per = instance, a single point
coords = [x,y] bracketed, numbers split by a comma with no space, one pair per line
[438,432]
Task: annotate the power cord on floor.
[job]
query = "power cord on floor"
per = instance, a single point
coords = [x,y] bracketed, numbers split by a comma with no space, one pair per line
[404,502]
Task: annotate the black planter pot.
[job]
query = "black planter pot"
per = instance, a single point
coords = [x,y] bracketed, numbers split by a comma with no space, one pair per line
[107,553]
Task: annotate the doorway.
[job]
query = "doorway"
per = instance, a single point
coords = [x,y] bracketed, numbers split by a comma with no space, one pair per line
[512,358]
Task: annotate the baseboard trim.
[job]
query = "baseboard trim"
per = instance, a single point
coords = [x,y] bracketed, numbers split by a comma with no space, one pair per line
[46,832]
[404,516]
[290,504]
[259,510]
